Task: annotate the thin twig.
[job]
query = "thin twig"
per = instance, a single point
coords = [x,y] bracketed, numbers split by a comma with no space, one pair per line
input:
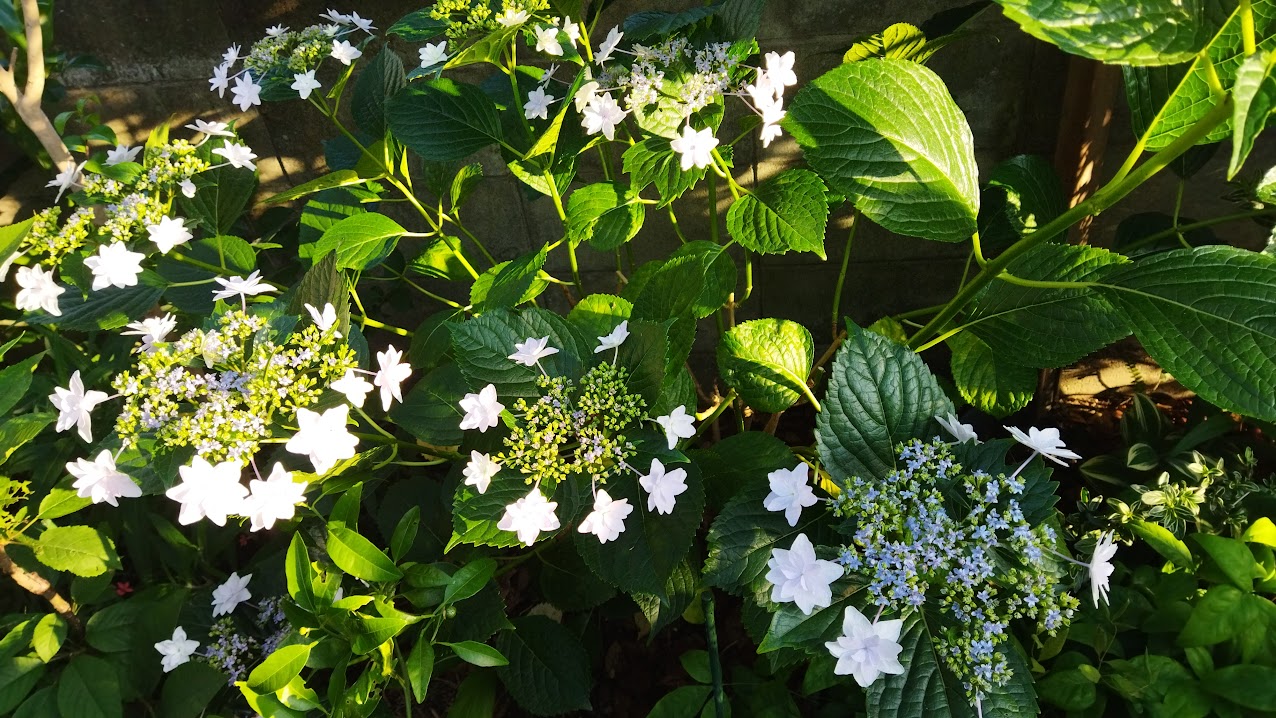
[36,584]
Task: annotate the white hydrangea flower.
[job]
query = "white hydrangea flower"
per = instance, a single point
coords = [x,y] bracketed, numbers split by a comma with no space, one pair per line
[230,594]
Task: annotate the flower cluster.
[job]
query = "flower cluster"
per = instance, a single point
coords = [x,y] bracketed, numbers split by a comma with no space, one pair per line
[933,533]
[216,390]
[575,427]
[231,650]
[464,17]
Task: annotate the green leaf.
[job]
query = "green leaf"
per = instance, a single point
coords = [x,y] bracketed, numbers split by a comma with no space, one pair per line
[598,314]
[1164,543]
[221,195]
[340,178]
[369,633]
[418,26]
[607,214]
[89,688]
[767,362]
[737,462]
[478,654]
[420,668]
[361,241]
[989,381]
[1192,97]
[643,354]
[442,120]
[510,283]
[405,532]
[652,545]
[11,235]
[278,670]
[19,430]
[40,704]
[17,677]
[887,134]
[82,550]
[1249,686]
[1232,557]
[483,345]
[325,209]
[1152,32]
[651,23]
[431,411]
[109,308]
[791,628]
[1254,95]
[299,574]
[378,81]
[787,212]
[15,380]
[189,689]
[466,179]
[652,161]
[1048,328]
[61,502]
[1204,316]
[681,702]
[475,515]
[1214,617]
[567,582]
[50,632]
[1068,689]
[900,41]
[1022,195]
[359,557]
[232,253]
[744,532]
[548,670]
[1262,531]
[879,394]
[469,580]
[679,595]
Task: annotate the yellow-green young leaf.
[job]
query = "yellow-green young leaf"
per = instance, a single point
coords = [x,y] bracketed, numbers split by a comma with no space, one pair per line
[420,667]
[359,557]
[1261,531]
[11,236]
[49,634]
[901,41]
[1254,95]
[340,178]
[1232,557]
[1164,543]
[1148,32]
[81,550]
[279,668]
[478,654]
[787,213]
[767,362]
[372,632]
[1201,314]
[299,575]
[597,314]
[888,135]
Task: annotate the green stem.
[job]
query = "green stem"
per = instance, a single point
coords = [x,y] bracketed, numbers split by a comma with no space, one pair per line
[706,420]
[1185,228]
[1248,39]
[179,257]
[715,660]
[369,321]
[1101,200]
[841,275]
[713,206]
[748,276]
[977,249]
[375,425]
[470,235]
[673,219]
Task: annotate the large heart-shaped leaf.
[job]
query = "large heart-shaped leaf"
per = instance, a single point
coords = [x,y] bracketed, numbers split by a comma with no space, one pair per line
[1148,32]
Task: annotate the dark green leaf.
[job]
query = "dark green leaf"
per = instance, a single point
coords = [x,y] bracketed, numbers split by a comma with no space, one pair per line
[510,283]
[548,671]
[469,580]
[360,241]
[431,411]
[420,668]
[989,381]
[109,308]
[378,81]
[89,688]
[443,120]
[1153,32]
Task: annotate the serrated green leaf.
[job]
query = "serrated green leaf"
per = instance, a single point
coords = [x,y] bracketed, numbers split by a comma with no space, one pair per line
[511,283]
[484,343]
[652,23]
[466,179]
[81,550]
[606,214]
[767,362]
[1022,195]
[15,380]
[418,26]
[340,178]
[548,670]
[652,161]
[679,594]
[879,393]
[359,557]
[1151,32]
[1205,316]
[598,314]
[61,502]
[990,382]
[377,82]
[1047,328]
[788,212]
[360,241]
[887,134]
[109,308]
[431,411]
[1193,97]
[442,120]
[221,195]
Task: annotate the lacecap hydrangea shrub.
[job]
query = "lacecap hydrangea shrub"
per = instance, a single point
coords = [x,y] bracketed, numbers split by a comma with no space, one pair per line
[290,455]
